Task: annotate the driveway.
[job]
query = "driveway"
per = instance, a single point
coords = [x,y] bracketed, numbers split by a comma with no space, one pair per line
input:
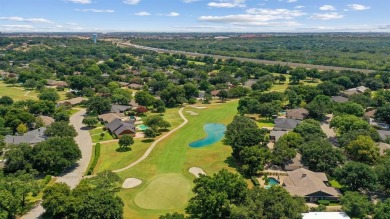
[74,176]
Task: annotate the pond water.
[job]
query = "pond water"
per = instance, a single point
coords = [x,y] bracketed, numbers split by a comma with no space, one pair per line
[215,133]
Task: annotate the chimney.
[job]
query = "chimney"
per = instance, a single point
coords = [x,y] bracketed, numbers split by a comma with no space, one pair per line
[303,175]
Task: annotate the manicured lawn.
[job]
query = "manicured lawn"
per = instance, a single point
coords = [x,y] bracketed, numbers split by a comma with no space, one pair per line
[97,138]
[174,156]
[111,159]
[265,123]
[17,92]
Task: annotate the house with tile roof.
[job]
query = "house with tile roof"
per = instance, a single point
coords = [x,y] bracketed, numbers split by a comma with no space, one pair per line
[310,185]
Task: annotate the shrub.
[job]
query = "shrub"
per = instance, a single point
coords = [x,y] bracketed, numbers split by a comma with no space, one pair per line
[95,159]
[47,179]
[255,181]
[323,202]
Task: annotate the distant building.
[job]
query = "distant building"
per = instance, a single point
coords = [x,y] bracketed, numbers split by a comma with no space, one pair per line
[356,90]
[340,99]
[32,137]
[135,86]
[119,127]
[275,135]
[47,120]
[119,108]
[94,38]
[294,163]
[325,215]
[73,101]
[109,117]
[54,83]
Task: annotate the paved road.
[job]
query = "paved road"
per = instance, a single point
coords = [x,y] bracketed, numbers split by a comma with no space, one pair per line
[73,177]
[267,62]
[150,149]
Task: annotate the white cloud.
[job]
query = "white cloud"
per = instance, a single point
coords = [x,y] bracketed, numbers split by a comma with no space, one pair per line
[227,4]
[142,13]
[12,26]
[29,20]
[291,1]
[131,2]
[259,17]
[80,1]
[357,7]
[327,8]
[96,10]
[173,14]
[299,7]
[190,1]
[327,16]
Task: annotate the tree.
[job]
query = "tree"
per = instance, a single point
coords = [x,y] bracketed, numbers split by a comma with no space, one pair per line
[253,159]
[274,202]
[269,109]
[172,216]
[363,149]
[285,147]
[102,134]
[298,74]
[61,116]
[173,95]
[319,155]
[383,113]
[141,110]
[90,121]
[49,94]
[207,98]
[125,142]
[382,170]
[328,88]
[60,129]
[348,108]
[319,106]
[6,100]
[382,210]
[18,158]
[223,95]
[156,122]
[346,123]
[356,176]
[344,139]
[215,195]
[248,137]
[98,105]
[310,129]
[190,90]
[149,133]
[56,200]
[165,124]
[356,205]
[55,155]
[238,124]
[144,98]
[30,83]
[22,128]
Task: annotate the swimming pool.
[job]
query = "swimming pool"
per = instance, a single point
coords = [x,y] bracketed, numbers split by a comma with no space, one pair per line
[142,127]
[272,182]
[215,133]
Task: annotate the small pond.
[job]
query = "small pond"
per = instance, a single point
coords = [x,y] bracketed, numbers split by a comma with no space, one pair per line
[215,133]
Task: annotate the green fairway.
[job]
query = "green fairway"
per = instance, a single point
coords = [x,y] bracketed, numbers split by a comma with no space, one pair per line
[168,191]
[174,156]
[17,92]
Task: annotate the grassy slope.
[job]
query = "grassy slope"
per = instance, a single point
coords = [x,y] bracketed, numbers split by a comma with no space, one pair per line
[173,156]
[16,92]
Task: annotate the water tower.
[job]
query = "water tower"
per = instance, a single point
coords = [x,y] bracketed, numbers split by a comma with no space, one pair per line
[94,37]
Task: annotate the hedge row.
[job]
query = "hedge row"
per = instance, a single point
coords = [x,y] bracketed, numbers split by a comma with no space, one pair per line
[95,159]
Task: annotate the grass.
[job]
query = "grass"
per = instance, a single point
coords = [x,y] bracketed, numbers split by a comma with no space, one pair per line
[16,92]
[335,184]
[174,156]
[172,190]
[97,138]
[265,123]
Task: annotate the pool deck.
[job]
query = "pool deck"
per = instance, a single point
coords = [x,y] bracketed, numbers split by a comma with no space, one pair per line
[278,175]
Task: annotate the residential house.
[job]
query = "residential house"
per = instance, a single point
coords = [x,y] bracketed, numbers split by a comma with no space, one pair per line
[378,124]
[370,114]
[325,215]
[299,113]
[383,148]
[340,99]
[384,134]
[135,86]
[73,101]
[310,185]
[54,83]
[356,90]
[47,120]
[285,124]
[118,127]
[119,108]
[123,84]
[32,137]
[294,163]
[275,135]
[215,93]
[109,117]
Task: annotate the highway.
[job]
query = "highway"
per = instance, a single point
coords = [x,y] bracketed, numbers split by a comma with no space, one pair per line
[267,62]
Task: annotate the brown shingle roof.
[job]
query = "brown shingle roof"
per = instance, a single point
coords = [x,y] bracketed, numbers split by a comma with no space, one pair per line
[299,113]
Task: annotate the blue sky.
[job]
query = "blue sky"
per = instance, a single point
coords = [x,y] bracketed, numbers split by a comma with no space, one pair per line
[195,15]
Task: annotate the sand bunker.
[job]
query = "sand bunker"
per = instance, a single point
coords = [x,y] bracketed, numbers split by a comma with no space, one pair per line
[199,107]
[131,183]
[196,171]
[192,113]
